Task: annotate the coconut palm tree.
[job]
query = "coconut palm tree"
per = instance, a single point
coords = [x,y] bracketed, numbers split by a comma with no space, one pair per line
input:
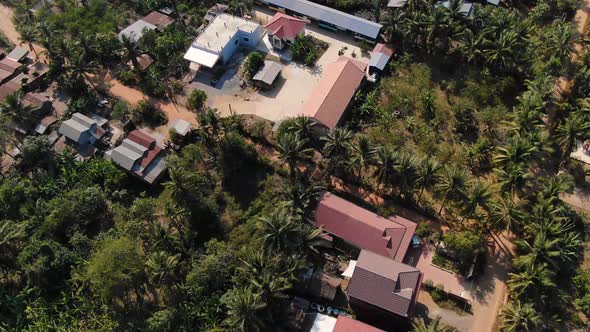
[428,175]
[161,268]
[244,309]
[386,161]
[210,124]
[542,250]
[532,282]
[434,325]
[452,185]
[568,133]
[513,179]
[178,216]
[518,151]
[338,143]
[303,126]
[519,317]
[15,112]
[477,196]
[502,50]
[279,228]
[130,51]
[292,149]
[28,35]
[362,155]
[407,174]
[505,214]
[182,186]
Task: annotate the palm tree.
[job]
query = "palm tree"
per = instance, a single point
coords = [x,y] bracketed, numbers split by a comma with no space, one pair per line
[502,50]
[518,151]
[161,268]
[428,175]
[362,155]
[244,306]
[532,282]
[569,132]
[130,51]
[407,174]
[513,179]
[505,214]
[178,217]
[79,66]
[338,143]
[543,249]
[434,325]
[452,185]
[279,228]
[210,123]
[303,126]
[182,186]
[292,149]
[28,36]
[518,317]
[386,161]
[477,196]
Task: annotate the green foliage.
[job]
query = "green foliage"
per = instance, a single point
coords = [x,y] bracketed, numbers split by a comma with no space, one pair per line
[252,64]
[115,269]
[146,113]
[235,155]
[196,100]
[582,287]
[465,245]
[308,50]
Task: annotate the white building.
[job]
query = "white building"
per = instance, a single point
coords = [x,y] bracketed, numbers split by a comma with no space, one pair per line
[220,40]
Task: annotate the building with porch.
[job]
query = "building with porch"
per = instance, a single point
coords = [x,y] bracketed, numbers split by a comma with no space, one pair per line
[284,29]
[221,39]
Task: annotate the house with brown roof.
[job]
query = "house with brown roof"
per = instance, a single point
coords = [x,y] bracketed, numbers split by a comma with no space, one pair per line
[342,323]
[141,155]
[284,29]
[336,89]
[363,229]
[379,284]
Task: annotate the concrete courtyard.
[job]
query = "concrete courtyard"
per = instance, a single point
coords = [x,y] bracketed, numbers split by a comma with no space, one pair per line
[291,90]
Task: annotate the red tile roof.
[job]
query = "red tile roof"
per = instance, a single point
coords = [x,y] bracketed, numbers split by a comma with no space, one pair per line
[381,48]
[285,26]
[389,237]
[336,89]
[158,19]
[347,324]
[385,283]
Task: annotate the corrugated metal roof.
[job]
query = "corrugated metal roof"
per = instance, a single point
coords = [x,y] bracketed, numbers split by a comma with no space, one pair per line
[269,72]
[158,19]
[135,30]
[330,15]
[385,283]
[347,324]
[79,124]
[17,54]
[396,3]
[389,237]
[379,60]
[332,95]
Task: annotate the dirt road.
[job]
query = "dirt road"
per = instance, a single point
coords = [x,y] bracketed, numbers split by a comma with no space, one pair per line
[8,29]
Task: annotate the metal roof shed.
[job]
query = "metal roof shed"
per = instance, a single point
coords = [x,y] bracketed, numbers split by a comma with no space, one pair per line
[17,54]
[379,60]
[135,30]
[268,73]
[329,15]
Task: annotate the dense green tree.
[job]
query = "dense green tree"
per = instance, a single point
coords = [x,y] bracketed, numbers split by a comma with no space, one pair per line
[244,309]
[519,316]
[291,150]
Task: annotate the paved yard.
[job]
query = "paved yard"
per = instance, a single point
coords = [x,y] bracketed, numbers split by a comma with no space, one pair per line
[291,90]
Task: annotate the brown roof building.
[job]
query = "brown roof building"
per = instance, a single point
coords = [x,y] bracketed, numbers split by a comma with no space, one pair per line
[347,324]
[158,19]
[389,237]
[337,87]
[383,283]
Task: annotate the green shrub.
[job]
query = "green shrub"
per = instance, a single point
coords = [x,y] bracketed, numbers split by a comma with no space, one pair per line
[120,110]
[252,64]
[128,77]
[146,113]
[438,293]
[197,99]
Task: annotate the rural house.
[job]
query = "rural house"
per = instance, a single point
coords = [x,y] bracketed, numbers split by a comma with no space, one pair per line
[284,29]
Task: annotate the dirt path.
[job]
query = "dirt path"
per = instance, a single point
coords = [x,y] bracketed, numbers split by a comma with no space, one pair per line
[133,96]
[8,29]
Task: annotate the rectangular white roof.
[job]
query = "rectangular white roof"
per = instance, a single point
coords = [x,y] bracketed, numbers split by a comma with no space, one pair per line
[221,30]
[201,57]
[330,15]
[135,30]
[323,323]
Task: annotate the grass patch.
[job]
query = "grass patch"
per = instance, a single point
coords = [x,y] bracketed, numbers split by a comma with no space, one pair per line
[445,300]
[445,263]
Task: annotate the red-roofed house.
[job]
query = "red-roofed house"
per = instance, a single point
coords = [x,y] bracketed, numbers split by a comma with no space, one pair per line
[337,87]
[389,237]
[381,284]
[284,29]
[347,324]
[140,154]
